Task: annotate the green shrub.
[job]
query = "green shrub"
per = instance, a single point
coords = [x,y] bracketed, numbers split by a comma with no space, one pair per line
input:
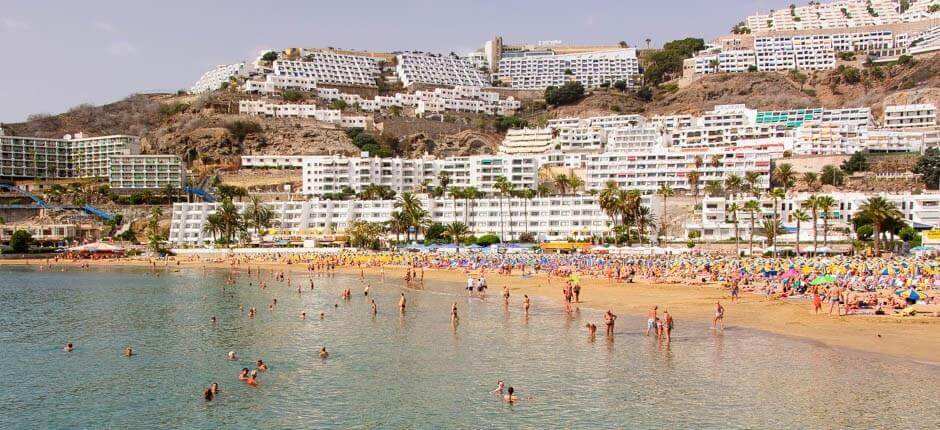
[20,241]
[487,240]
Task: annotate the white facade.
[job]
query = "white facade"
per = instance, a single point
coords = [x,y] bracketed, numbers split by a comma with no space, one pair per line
[438,70]
[215,77]
[581,139]
[548,218]
[272,161]
[632,139]
[70,157]
[716,222]
[291,110]
[648,170]
[146,172]
[910,116]
[528,141]
[331,68]
[590,69]
[839,14]
[327,174]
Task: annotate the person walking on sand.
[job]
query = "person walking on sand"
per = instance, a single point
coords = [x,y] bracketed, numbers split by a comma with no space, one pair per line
[609,320]
[719,316]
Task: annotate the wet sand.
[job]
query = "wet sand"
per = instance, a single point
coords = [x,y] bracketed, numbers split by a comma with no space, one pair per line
[916,338]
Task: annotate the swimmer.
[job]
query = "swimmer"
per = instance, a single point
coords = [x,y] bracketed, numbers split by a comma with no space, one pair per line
[610,319]
[453,314]
[402,302]
[208,394]
[214,388]
[128,351]
[525,304]
[68,347]
[323,353]
[322,315]
[366,291]
[214,320]
[374,309]
[243,376]
[506,294]
[252,378]
[500,386]
[510,397]
[232,356]
[261,366]
[303,315]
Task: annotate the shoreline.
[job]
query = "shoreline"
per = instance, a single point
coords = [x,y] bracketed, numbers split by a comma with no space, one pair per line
[914,338]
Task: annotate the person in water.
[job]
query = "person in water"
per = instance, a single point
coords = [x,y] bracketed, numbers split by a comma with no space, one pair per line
[128,351]
[510,397]
[252,378]
[592,330]
[719,319]
[68,347]
[375,310]
[402,302]
[208,394]
[500,386]
[232,356]
[610,319]
[261,366]
[323,353]
[243,376]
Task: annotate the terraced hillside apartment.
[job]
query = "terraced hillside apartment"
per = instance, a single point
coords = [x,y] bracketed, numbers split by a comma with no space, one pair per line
[547,218]
[297,110]
[590,69]
[146,172]
[910,116]
[840,14]
[216,77]
[73,156]
[431,69]
[316,68]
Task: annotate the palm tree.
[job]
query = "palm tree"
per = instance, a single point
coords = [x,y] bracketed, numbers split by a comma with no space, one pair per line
[213,226]
[455,193]
[259,216]
[733,209]
[608,201]
[664,191]
[776,195]
[470,194]
[648,41]
[713,189]
[784,175]
[562,182]
[812,203]
[733,184]
[230,220]
[752,207]
[810,179]
[456,231]
[693,177]
[503,186]
[771,228]
[752,179]
[824,206]
[413,212]
[526,194]
[397,223]
[879,210]
[715,161]
[575,182]
[800,216]
[628,202]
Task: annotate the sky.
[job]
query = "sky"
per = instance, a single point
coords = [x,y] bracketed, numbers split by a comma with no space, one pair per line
[59,54]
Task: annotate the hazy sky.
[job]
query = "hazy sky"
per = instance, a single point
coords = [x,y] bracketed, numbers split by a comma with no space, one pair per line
[58,54]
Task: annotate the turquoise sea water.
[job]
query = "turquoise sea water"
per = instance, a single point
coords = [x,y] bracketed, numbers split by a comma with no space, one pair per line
[411,371]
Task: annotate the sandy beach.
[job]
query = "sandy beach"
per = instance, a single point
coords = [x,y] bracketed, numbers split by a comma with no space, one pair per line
[916,338]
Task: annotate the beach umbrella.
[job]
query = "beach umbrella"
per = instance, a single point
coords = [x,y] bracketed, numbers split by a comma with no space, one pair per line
[792,273]
[823,279]
[910,294]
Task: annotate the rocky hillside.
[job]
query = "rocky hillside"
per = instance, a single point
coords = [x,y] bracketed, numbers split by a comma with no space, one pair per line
[208,127]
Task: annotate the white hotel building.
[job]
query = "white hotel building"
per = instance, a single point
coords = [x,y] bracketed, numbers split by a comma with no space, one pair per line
[528,141]
[648,170]
[146,172]
[910,116]
[214,78]
[73,156]
[432,69]
[332,174]
[331,68]
[590,69]
[920,210]
[548,218]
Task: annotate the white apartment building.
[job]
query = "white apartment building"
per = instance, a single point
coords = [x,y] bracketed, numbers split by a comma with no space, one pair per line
[715,60]
[821,138]
[608,122]
[669,123]
[581,139]
[272,161]
[720,136]
[728,116]
[794,118]
[910,116]
[330,68]
[920,210]
[634,139]
[528,141]
[548,218]
[215,77]
[291,110]
[73,156]
[590,69]
[459,98]
[146,172]
[438,70]
[648,170]
[839,14]
[328,174]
